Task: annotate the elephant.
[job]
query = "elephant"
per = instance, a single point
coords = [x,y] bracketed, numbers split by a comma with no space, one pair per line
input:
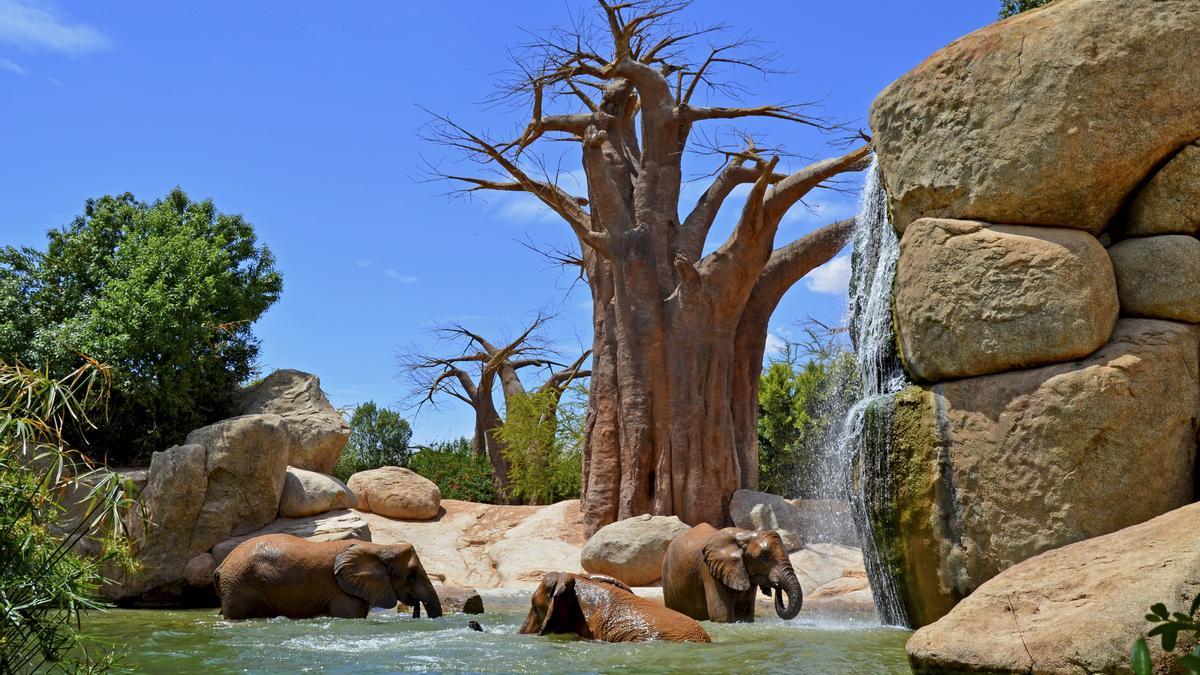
[596,607]
[711,574]
[282,575]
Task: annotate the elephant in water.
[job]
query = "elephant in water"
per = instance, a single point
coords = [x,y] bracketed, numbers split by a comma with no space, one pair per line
[282,575]
[602,608]
[711,574]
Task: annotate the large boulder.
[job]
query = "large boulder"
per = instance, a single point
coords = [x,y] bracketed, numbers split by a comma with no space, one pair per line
[974,298]
[1075,609]
[246,459]
[1170,202]
[632,550]
[1159,277]
[307,493]
[331,526]
[753,510]
[318,431]
[1053,117]
[396,492]
[988,471]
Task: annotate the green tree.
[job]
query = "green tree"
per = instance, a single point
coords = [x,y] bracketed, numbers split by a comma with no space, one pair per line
[457,470]
[52,505]
[543,443]
[802,399]
[1011,7]
[378,437]
[163,292]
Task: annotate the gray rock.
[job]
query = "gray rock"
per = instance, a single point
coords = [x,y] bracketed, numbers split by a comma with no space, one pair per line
[753,510]
[396,492]
[318,431]
[307,493]
[632,550]
[1159,277]
[1170,202]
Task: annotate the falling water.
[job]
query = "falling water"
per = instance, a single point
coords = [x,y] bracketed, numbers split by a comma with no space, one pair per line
[863,446]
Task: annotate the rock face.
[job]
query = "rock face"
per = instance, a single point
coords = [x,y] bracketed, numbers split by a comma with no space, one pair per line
[1030,120]
[396,492]
[973,298]
[199,570]
[632,550]
[753,510]
[1159,277]
[989,471]
[318,432]
[246,460]
[1075,609]
[307,493]
[1170,202]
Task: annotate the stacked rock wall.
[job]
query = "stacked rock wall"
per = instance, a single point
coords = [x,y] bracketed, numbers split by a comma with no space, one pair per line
[1058,392]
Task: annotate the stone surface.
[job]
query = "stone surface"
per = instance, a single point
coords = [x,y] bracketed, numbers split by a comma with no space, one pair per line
[632,550]
[331,526]
[1170,202]
[754,510]
[318,431]
[1159,277]
[396,492]
[988,471]
[826,521]
[246,461]
[974,298]
[488,546]
[307,493]
[199,570]
[1075,609]
[1052,117]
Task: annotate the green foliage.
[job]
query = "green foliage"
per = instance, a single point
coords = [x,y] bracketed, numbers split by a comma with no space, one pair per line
[51,504]
[378,437]
[800,407]
[543,443]
[1012,7]
[1167,627]
[455,469]
[163,292]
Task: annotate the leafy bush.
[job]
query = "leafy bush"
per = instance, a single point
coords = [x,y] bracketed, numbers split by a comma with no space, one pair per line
[1012,7]
[378,437]
[543,443]
[49,503]
[1168,626]
[163,292]
[801,406]
[455,469]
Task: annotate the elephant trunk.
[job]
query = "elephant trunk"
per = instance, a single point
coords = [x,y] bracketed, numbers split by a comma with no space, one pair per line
[427,594]
[795,596]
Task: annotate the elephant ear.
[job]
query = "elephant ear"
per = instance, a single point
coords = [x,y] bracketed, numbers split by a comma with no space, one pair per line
[723,556]
[360,572]
[564,615]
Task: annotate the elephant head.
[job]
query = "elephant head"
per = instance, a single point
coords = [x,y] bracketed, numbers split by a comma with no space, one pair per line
[741,559]
[555,609]
[384,575]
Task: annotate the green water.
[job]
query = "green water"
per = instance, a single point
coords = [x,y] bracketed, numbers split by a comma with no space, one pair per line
[196,641]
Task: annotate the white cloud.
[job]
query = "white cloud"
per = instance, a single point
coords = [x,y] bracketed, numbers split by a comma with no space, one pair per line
[360,263]
[775,345]
[10,66]
[832,278]
[525,208]
[34,26]
[402,278]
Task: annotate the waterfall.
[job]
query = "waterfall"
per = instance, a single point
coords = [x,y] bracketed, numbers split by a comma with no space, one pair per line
[864,443]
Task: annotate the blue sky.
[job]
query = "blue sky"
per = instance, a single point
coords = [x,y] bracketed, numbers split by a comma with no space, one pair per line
[305,117]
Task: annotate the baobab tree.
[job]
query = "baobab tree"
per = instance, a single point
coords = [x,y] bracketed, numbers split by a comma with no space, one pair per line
[678,334]
[470,372]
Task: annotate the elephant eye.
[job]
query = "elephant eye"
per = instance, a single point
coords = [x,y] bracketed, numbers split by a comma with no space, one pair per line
[763,556]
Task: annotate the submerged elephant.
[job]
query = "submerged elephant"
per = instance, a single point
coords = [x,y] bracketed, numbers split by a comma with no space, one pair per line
[711,574]
[282,575]
[602,608]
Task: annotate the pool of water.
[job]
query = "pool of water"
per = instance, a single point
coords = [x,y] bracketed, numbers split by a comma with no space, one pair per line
[195,641]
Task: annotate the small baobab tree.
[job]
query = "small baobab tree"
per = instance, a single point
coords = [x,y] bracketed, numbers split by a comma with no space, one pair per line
[469,373]
[678,334]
